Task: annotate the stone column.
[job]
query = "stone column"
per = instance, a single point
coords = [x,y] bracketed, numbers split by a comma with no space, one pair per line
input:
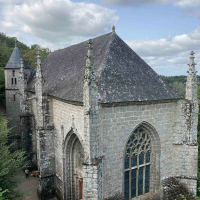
[25,113]
[190,109]
[22,88]
[39,93]
[45,138]
[91,129]
[47,163]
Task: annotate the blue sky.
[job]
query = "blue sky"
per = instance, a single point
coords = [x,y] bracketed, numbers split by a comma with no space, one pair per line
[162,32]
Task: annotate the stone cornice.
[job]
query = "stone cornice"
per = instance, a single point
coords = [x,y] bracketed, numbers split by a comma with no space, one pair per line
[115,104]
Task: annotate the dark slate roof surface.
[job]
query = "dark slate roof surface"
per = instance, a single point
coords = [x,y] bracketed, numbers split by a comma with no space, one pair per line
[15,60]
[31,75]
[122,74]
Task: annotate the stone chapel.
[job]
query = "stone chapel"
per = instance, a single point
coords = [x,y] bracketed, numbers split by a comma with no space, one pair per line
[99,121]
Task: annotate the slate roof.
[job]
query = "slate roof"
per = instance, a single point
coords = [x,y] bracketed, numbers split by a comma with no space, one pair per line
[123,76]
[15,60]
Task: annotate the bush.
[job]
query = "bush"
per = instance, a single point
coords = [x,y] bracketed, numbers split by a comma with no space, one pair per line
[172,188]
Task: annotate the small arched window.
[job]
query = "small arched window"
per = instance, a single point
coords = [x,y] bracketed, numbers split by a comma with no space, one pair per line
[137,164]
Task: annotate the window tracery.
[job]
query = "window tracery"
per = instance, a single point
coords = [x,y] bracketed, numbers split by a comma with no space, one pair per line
[137,164]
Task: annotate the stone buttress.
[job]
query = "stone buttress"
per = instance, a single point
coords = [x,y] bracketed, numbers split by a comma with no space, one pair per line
[45,138]
[25,113]
[188,153]
[92,161]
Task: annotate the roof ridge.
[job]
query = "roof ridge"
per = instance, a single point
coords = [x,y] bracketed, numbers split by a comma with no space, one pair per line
[113,33]
[66,75]
[82,42]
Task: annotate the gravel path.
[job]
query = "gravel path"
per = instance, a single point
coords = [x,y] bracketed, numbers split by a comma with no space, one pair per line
[29,187]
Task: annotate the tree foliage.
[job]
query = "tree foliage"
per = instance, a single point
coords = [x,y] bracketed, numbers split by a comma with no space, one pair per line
[30,55]
[11,163]
[179,87]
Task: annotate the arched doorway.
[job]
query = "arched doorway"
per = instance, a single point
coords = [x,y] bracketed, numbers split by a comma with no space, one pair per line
[142,162]
[73,169]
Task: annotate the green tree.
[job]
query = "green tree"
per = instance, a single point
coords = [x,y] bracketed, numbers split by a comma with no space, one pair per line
[11,163]
[30,56]
[179,87]
[2,88]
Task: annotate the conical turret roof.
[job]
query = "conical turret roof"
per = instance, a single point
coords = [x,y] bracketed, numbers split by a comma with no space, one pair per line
[15,59]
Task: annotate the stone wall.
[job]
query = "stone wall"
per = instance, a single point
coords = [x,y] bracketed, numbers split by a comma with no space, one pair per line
[35,142]
[13,112]
[90,183]
[13,102]
[66,117]
[118,122]
[8,78]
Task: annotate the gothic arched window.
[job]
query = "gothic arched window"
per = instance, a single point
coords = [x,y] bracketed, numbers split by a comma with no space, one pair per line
[137,164]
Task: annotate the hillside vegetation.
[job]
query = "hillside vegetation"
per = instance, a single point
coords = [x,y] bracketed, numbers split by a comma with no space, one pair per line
[178,83]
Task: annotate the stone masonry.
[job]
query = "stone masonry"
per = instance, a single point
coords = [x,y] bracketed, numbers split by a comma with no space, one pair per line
[80,146]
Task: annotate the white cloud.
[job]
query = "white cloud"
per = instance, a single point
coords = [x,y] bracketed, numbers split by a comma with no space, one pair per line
[57,21]
[178,3]
[171,52]
[187,3]
[194,13]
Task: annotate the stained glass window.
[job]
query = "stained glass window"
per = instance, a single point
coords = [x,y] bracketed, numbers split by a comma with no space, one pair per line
[137,164]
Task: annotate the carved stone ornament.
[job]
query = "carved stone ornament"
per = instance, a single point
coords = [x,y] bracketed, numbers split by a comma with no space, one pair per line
[187,113]
[89,76]
[139,142]
[39,75]
[87,110]
[191,84]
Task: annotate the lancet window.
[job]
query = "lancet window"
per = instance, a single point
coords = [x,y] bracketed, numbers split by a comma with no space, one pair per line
[137,163]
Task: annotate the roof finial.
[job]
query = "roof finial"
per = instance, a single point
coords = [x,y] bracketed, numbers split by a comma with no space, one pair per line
[192,59]
[15,42]
[38,54]
[90,44]
[38,60]
[89,57]
[113,29]
[192,53]
[191,84]
[39,75]
[22,67]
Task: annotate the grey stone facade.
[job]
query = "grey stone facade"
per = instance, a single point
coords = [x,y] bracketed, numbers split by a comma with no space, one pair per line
[81,145]
[13,85]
